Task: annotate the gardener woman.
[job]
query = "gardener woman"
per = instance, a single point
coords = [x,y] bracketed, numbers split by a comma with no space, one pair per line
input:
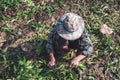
[69,33]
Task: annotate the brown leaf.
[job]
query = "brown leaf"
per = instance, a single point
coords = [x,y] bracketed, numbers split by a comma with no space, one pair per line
[50,21]
[3,35]
[84,76]
[53,19]
[47,1]
[106,30]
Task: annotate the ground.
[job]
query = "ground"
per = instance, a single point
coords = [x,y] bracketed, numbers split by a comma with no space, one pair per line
[24,28]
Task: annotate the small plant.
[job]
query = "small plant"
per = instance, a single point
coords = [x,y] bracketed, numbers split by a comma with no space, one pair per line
[13,4]
[17,20]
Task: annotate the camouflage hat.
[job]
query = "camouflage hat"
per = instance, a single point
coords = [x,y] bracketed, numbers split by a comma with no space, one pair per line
[70,26]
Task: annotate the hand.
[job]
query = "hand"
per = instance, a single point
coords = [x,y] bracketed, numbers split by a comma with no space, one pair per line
[74,63]
[51,64]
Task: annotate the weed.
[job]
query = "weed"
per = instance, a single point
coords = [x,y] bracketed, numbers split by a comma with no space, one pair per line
[18,18]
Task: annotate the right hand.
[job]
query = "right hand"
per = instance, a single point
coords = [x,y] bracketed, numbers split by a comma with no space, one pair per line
[51,64]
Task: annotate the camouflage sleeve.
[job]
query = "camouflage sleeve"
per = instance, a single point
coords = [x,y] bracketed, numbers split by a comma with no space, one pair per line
[49,45]
[85,45]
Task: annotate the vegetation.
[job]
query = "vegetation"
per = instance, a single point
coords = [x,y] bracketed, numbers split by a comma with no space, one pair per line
[25,25]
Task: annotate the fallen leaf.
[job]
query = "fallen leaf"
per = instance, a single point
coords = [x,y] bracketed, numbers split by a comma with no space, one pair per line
[106,30]
[84,75]
[47,1]
[53,19]
[50,21]
[3,35]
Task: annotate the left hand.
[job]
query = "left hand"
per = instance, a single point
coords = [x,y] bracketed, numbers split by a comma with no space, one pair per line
[74,63]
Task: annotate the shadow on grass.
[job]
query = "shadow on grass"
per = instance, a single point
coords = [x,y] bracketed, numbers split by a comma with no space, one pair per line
[15,62]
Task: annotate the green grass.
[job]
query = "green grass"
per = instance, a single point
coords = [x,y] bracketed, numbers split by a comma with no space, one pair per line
[29,22]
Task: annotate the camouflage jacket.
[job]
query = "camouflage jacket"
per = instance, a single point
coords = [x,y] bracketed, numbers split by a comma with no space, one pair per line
[83,44]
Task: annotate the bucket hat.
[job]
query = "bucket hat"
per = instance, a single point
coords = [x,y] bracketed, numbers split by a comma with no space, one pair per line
[70,26]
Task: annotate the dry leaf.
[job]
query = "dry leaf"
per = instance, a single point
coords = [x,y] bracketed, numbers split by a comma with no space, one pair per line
[53,19]
[50,21]
[3,35]
[47,1]
[106,30]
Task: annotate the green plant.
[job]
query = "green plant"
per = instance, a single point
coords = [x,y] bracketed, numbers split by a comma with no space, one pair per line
[17,64]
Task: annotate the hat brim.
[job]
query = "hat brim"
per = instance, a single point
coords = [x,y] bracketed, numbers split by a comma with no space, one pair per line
[69,35]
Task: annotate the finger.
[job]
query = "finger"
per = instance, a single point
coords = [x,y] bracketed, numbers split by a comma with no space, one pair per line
[67,65]
[49,65]
[74,66]
[53,66]
[71,65]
